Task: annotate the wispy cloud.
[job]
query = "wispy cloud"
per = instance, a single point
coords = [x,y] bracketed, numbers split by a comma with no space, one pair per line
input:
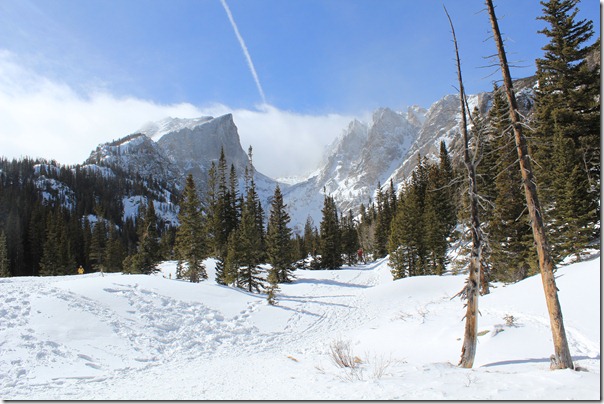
[46,118]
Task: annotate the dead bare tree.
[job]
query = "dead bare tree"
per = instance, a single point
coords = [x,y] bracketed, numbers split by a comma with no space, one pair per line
[562,358]
[472,287]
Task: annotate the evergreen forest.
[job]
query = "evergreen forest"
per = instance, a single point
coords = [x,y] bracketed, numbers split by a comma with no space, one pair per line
[56,218]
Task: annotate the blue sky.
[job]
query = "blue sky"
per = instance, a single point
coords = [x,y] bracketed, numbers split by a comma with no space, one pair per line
[331,59]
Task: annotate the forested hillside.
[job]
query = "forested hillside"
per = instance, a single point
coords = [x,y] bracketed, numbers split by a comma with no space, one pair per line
[55,218]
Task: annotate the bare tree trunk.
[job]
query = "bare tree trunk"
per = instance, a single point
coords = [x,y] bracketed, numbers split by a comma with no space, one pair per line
[562,358]
[472,287]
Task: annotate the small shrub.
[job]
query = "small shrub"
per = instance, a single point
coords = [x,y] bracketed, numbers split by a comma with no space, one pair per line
[341,354]
[510,320]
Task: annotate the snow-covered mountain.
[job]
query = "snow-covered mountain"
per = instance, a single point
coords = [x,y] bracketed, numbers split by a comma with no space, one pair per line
[385,149]
[364,155]
[169,150]
[193,144]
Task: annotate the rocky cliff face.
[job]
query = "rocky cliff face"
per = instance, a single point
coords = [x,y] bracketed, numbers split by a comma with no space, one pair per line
[193,144]
[364,155]
[386,149]
[136,154]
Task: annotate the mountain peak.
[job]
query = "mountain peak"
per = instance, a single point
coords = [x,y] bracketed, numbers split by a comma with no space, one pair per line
[155,130]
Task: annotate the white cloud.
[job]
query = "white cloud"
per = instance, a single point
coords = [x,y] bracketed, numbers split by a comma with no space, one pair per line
[43,118]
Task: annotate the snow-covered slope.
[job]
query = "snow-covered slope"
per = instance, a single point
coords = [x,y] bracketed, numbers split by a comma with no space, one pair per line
[153,337]
[364,155]
[136,154]
[155,130]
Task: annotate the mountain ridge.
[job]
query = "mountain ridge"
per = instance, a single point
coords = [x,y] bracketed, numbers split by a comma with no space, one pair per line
[364,155]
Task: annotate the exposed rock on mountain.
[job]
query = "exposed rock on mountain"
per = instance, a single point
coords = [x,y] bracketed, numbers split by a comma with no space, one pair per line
[137,154]
[364,154]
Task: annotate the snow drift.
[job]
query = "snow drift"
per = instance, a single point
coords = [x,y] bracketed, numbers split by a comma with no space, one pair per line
[142,337]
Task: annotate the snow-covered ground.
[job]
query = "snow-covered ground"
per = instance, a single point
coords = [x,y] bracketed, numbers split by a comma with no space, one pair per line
[153,337]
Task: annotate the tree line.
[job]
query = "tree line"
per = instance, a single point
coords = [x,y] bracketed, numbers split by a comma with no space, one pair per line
[54,218]
[418,225]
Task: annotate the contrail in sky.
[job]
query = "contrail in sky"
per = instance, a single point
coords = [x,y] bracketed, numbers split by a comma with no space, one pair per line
[245,51]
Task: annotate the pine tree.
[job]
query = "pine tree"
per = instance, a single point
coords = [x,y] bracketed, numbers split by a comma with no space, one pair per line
[249,251]
[567,109]
[146,258]
[190,245]
[384,218]
[98,245]
[278,240]
[273,289]
[310,242]
[114,252]
[406,243]
[512,255]
[330,240]
[4,268]
[350,238]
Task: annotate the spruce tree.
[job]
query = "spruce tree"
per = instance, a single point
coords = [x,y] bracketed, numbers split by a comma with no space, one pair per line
[230,265]
[310,242]
[146,258]
[115,252]
[51,257]
[512,255]
[567,123]
[273,289]
[249,251]
[98,245]
[366,229]
[149,241]
[278,240]
[190,245]
[350,238]
[4,268]
[384,218]
[406,243]
[330,239]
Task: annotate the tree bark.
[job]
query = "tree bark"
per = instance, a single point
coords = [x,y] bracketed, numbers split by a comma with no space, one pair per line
[472,287]
[561,358]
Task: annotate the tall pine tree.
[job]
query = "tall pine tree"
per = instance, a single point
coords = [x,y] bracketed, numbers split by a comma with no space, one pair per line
[330,239]
[4,269]
[278,239]
[249,250]
[190,245]
[566,142]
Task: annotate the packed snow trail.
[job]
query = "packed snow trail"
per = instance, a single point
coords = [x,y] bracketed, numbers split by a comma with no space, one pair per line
[153,337]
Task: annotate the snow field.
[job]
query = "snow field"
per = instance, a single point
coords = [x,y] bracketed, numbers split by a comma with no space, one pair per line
[154,337]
